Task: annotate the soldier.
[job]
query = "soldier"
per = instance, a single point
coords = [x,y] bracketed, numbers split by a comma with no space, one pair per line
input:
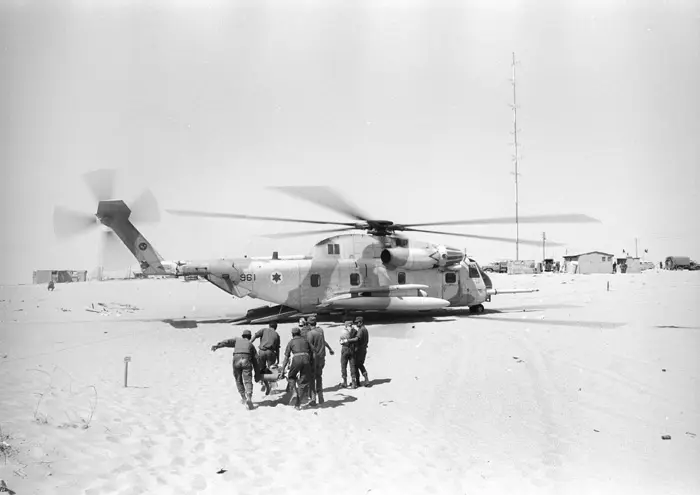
[244,361]
[347,355]
[269,351]
[361,343]
[318,343]
[299,350]
[51,286]
[303,327]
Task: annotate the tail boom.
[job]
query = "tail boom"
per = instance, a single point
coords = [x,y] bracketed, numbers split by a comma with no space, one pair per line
[115,215]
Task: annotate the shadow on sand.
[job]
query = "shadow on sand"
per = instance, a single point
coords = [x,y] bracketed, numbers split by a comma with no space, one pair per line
[283,397]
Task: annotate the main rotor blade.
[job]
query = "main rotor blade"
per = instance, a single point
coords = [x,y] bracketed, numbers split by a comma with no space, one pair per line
[145,208]
[485,237]
[101,184]
[67,222]
[204,214]
[326,197]
[563,218]
[285,235]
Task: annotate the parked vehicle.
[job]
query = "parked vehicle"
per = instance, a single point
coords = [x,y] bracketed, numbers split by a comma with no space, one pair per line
[497,267]
[680,263]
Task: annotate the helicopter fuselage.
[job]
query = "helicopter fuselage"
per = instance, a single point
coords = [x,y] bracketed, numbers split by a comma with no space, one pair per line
[356,271]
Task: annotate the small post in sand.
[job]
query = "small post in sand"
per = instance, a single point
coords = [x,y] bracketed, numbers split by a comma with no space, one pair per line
[126,369]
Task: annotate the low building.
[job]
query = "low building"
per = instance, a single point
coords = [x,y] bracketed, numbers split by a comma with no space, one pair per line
[58,276]
[590,262]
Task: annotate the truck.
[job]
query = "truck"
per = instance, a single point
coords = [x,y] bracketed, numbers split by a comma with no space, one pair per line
[680,263]
[500,266]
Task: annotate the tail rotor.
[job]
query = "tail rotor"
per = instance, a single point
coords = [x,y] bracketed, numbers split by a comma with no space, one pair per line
[69,223]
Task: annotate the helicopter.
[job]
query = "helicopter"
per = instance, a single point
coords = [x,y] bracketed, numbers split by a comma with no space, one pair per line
[366,266]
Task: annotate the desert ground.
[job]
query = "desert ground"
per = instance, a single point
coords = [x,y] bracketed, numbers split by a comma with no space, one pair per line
[565,391]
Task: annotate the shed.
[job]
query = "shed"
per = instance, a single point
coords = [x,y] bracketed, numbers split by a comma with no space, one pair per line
[58,276]
[590,262]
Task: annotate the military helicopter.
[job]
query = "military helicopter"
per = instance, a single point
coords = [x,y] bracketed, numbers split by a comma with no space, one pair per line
[367,266]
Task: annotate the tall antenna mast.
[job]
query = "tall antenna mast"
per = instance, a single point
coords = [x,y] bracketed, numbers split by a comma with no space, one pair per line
[515,159]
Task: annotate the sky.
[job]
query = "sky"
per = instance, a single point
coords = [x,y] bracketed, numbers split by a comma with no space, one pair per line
[401,106]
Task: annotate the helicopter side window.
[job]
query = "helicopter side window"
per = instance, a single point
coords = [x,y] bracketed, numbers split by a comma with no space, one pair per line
[450,277]
[402,278]
[473,272]
[315,280]
[333,248]
[354,279]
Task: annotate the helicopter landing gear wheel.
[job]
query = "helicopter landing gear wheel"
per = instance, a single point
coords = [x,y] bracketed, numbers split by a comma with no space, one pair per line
[477,310]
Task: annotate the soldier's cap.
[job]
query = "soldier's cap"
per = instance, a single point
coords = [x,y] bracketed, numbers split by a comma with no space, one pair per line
[296,331]
[348,322]
[359,319]
[312,319]
[246,333]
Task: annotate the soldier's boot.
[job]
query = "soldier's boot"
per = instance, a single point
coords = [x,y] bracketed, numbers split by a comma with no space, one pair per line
[292,386]
[266,388]
[249,402]
[243,399]
[354,382]
[344,383]
[366,379]
[320,398]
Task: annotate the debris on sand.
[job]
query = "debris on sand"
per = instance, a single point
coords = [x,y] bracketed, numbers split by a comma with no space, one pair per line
[666,437]
[690,434]
[116,309]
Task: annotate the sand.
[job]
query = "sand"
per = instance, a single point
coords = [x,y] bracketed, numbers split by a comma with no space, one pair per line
[571,395]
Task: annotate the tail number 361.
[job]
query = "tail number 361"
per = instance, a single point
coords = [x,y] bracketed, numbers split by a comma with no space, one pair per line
[247,277]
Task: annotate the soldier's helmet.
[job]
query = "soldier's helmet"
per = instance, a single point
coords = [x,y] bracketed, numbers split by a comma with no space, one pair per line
[312,320]
[296,331]
[246,333]
[359,320]
[302,322]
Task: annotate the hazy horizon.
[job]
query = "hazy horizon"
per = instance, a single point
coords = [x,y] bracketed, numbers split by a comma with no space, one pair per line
[401,106]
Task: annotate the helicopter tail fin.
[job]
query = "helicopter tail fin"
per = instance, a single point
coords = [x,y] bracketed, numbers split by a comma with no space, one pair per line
[115,215]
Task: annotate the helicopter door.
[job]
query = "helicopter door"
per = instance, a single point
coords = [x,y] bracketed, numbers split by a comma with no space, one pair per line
[450,284]
[476,289]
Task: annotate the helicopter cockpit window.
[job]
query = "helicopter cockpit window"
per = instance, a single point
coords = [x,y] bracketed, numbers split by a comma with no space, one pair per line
[315,280]
[473,272]
[402,278]
[333,248]
[354,279]
[450,278]
[401,242]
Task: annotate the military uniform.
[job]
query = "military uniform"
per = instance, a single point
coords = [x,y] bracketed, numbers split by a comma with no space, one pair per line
[299,351]
[361,350]
[317,341]
[269,351]
[347,356]
[245,364]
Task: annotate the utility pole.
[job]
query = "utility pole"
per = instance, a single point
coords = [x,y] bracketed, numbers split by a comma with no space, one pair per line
[544,238]
[515,158]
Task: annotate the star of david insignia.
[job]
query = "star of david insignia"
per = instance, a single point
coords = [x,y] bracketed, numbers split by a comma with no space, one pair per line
[276,278]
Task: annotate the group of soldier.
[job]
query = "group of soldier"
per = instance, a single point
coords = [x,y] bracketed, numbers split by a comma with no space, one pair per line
[304,360]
